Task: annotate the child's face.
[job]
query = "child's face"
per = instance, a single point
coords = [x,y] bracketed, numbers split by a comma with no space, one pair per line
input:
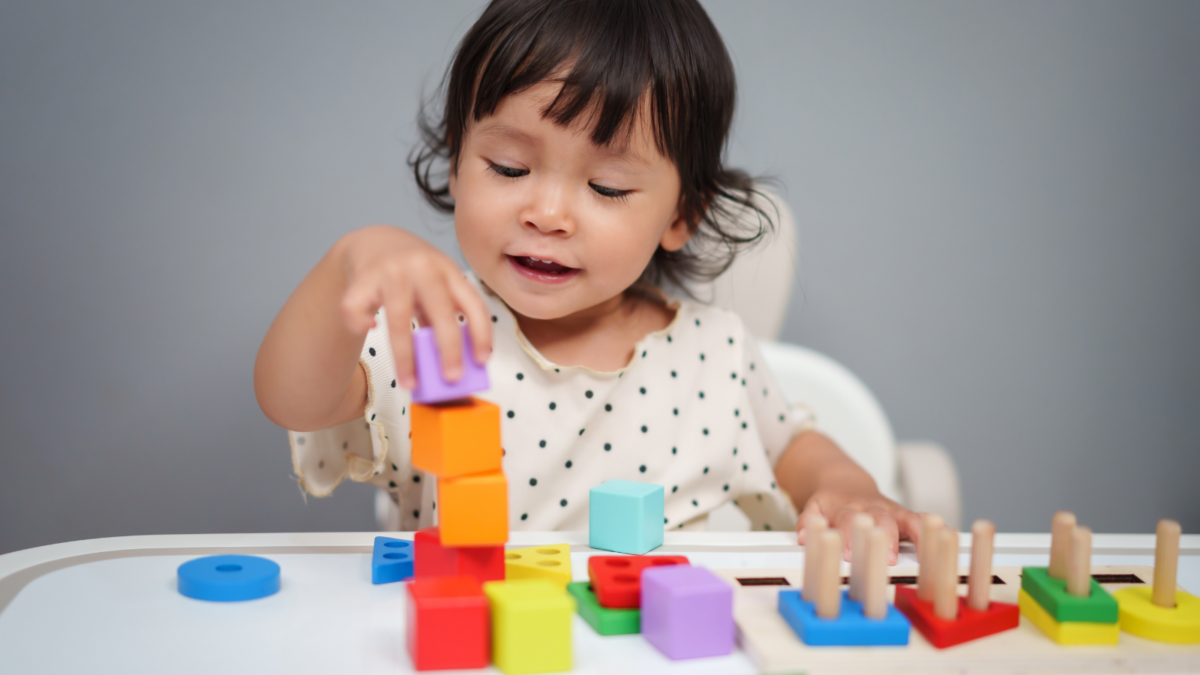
[528,190]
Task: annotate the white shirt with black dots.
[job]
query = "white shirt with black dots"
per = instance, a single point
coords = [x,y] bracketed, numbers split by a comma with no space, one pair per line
[696,410]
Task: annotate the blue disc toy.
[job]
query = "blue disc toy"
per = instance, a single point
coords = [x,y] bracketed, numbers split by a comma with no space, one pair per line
[228,578]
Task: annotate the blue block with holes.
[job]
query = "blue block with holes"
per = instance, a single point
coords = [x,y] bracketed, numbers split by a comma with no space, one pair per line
[626,516]
[392,560]
[228,578]
[851,628]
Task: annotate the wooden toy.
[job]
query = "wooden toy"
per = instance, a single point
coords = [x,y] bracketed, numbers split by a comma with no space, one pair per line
[473,510]
[391,560]
[687,612]
[552,563]
[228,578]
[617,580]
[483,563]
[1162,613]
[431,386]
[603,620]
[959,619]
[626,516]
[847,621]
[531,624]
[1075,610]
[456,439]
[860,530]
[813,527]
[448,624]
[1061,527]
[930,526]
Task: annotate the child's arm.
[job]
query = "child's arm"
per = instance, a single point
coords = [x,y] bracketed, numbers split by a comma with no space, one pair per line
[821,479]
[307,375]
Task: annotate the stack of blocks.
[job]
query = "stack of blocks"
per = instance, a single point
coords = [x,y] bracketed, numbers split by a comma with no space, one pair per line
[1063,600]
[611,599]
[1163,612]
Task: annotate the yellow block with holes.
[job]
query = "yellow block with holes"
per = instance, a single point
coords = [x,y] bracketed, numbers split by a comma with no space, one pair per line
[1067,632]
[531,626]
[552,563]
[1141,617]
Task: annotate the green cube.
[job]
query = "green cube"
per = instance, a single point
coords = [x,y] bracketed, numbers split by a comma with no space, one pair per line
[1052,595]
[606,621]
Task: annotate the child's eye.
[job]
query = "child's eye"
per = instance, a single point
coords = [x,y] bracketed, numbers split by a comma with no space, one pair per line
[609,192]
[506,171]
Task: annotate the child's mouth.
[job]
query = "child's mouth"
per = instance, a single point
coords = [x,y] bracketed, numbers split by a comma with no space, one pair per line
[542,270]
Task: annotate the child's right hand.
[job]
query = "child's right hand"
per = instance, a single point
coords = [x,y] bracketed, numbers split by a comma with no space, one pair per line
[389,268]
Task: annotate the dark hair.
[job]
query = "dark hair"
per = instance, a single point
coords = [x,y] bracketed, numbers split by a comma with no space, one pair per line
[618,51]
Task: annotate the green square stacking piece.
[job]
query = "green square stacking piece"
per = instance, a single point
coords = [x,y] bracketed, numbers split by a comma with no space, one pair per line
[1052,595]
[626,516]
[606,621]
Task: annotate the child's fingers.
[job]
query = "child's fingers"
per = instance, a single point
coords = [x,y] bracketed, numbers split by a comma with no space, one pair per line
[811,511]
[359,304]
[438,308]
[478,320]
[884,519]
[399,309]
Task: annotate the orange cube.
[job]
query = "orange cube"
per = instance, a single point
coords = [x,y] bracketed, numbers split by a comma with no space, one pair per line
[473,510]
[456,439]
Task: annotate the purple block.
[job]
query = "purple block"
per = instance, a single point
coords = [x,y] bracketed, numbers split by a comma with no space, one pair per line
[431,387]
[687,611]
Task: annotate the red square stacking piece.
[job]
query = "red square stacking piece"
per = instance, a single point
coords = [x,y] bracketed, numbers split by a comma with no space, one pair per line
[448,624]
[483,563]
[970,624]
[617,579]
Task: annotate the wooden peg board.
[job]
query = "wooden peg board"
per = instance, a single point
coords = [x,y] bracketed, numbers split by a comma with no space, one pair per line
[774,648]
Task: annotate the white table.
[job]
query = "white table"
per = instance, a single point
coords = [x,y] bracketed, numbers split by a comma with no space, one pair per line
[110,605]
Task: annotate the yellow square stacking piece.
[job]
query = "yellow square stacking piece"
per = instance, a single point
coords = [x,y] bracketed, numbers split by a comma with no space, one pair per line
[473,510]
[1141,617]
[1067,632]
[552,563]
[456,439]
[531,626]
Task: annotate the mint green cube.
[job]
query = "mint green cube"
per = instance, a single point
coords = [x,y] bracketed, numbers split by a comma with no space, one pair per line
[626,516]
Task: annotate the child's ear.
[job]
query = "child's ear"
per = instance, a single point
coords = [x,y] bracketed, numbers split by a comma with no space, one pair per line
[677,234]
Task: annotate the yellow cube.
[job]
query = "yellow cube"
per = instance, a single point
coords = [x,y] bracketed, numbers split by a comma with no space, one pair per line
[531,626]
[552,563]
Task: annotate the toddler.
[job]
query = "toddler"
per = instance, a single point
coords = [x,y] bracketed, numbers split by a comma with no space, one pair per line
[579,148]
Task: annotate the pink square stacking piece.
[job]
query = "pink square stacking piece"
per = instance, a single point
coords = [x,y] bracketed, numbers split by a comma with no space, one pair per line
[687,612]
[431,387]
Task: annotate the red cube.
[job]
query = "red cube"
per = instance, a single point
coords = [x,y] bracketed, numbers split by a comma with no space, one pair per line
[970,624]
[617,579]
[483,563]
[448,624]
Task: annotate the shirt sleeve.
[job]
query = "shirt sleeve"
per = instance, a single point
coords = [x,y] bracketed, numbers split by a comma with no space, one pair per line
[778,421]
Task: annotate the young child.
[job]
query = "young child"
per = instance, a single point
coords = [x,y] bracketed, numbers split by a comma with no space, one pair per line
[579,149]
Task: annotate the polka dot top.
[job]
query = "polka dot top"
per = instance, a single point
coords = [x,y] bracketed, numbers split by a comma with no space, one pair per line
[695,410]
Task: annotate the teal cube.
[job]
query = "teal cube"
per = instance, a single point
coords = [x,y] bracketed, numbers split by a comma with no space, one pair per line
[626,516]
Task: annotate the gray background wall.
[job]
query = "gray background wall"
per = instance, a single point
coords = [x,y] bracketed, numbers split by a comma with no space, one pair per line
[999,208]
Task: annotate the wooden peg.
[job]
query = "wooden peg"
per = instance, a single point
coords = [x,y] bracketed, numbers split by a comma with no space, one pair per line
[875,593]
[1079,565]
[1166,563]
[860,534]
[979,583]
[945,589]
[814,526]
[1060,543]
[829,587]
[927,554]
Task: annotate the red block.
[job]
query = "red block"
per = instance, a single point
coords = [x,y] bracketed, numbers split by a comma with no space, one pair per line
[617,579]
[970,624]
[448,624]
[483,563]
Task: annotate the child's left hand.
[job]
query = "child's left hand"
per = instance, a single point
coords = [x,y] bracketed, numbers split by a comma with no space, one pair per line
[839,507]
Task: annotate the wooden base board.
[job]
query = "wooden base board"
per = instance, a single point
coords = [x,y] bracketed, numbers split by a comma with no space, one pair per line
[774,648]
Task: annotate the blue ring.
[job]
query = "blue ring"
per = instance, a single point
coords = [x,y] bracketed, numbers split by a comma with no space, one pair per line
[228,578]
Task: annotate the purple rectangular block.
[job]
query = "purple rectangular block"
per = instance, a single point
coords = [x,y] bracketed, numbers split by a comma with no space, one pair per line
[431,387]
[687,612]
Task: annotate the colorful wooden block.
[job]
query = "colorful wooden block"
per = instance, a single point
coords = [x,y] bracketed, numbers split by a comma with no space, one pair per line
[552,563]
[448,625]
[391,560]
[970,624]
[473,510]
[1141,617]
[1066,632]
[603,620]
[531,626]
[687,612]
[431,386]
[850,628]
[456,439]
[617,579]
[1052,595]
[626,516]
[483,563]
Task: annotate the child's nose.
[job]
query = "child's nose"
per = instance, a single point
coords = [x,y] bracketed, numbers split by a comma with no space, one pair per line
[550,210]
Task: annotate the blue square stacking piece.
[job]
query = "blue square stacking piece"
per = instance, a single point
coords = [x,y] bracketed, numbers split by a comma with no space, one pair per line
[392,560]
[626,516]
[851,629]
